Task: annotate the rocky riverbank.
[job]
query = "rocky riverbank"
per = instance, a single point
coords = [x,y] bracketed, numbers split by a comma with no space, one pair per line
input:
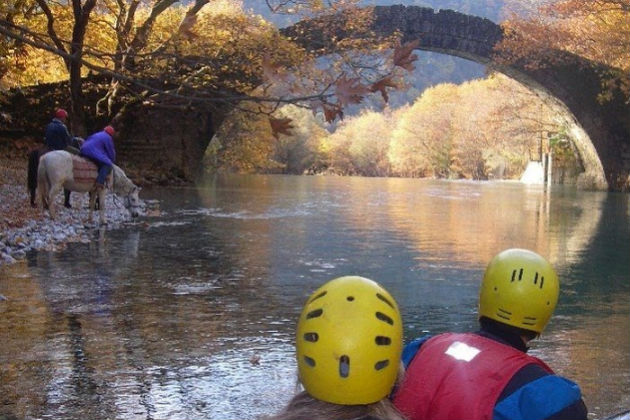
[23,228]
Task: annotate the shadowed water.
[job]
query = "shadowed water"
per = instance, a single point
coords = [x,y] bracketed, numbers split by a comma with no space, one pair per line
[191,314]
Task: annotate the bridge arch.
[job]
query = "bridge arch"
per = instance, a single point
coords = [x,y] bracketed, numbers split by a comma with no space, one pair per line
[601,132]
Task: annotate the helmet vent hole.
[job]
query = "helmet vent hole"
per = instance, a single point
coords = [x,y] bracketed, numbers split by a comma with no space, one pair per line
[382,340]
[309,361]
[536,278]
[320,295]
[502,313]
[520,275]
[311,336]
[381,364]
[542,280]
[350,298]
[382,317]
[384,299]
[344,366]
[315,313]
[529,320]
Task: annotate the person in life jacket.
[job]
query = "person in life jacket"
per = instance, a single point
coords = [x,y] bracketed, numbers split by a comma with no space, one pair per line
[488,374]
[349,342]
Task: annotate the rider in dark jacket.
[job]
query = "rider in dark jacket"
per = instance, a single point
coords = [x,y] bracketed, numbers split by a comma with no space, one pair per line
[57,136]
[488,374]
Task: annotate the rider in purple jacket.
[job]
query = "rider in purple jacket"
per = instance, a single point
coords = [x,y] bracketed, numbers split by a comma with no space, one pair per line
[99,147]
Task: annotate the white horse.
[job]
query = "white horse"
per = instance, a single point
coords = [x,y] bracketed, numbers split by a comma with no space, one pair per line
[55,172]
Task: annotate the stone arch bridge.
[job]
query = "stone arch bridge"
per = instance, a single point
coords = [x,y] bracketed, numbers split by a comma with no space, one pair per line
[601,131]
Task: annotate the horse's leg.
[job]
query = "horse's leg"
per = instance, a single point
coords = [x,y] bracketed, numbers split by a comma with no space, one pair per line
[43,196]
[101,203]
[66,199]
[31,179]
[54,191]
[43,186]
[91,205]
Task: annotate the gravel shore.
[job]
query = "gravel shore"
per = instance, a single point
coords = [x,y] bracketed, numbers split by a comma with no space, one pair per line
[23,228]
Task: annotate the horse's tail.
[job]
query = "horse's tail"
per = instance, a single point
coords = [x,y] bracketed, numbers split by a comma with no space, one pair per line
[43,182]
[31,177]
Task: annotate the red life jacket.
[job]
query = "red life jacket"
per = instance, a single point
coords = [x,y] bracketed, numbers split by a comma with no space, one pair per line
[459,377]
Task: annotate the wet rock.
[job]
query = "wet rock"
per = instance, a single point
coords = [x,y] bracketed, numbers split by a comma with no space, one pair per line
[6,259]
[47,234]
[19,254]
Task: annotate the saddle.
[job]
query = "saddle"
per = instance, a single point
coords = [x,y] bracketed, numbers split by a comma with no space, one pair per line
[84,171]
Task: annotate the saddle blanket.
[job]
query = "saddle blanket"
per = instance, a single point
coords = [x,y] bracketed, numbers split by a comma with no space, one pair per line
[84,171]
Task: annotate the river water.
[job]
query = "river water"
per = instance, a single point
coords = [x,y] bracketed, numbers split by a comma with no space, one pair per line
[191,314]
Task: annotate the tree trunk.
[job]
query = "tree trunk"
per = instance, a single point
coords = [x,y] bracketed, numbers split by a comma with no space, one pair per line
[81,20]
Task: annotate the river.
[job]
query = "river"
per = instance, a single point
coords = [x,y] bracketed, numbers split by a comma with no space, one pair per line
[191,314]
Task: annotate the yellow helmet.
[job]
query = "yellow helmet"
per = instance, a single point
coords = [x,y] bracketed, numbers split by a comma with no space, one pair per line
[519,288]
[349,341]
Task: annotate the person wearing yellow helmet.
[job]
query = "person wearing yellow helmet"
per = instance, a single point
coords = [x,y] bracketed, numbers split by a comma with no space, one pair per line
[348,347]
[488,374]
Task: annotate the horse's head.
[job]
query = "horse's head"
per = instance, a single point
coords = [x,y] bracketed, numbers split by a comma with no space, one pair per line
[123,185]
[133,202]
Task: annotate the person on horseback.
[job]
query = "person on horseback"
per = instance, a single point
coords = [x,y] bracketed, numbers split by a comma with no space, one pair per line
[488,374]
[57,136]
[348,342]
[99,147]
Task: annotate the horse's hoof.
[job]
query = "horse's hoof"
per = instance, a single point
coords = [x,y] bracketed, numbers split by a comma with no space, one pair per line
[34,205]
[67,205]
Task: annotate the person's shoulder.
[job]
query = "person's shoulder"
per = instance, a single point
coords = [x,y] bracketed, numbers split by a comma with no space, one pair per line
[411,349]
[535,393]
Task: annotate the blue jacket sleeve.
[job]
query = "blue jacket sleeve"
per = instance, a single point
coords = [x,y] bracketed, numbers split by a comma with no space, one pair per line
[411,348]
[541,399]
[111,152]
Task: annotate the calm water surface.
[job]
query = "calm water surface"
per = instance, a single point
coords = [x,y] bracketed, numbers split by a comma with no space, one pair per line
[191,314]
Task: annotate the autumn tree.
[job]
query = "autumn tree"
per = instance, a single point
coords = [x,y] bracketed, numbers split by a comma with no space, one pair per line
[408,151]
[598,30]
[12,50]
[244,143]
[423,139]
[359,146]
[162,54]
[481,129]
[300,150]
[370,143]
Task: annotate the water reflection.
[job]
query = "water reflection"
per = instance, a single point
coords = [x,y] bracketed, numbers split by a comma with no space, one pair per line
[191,315]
